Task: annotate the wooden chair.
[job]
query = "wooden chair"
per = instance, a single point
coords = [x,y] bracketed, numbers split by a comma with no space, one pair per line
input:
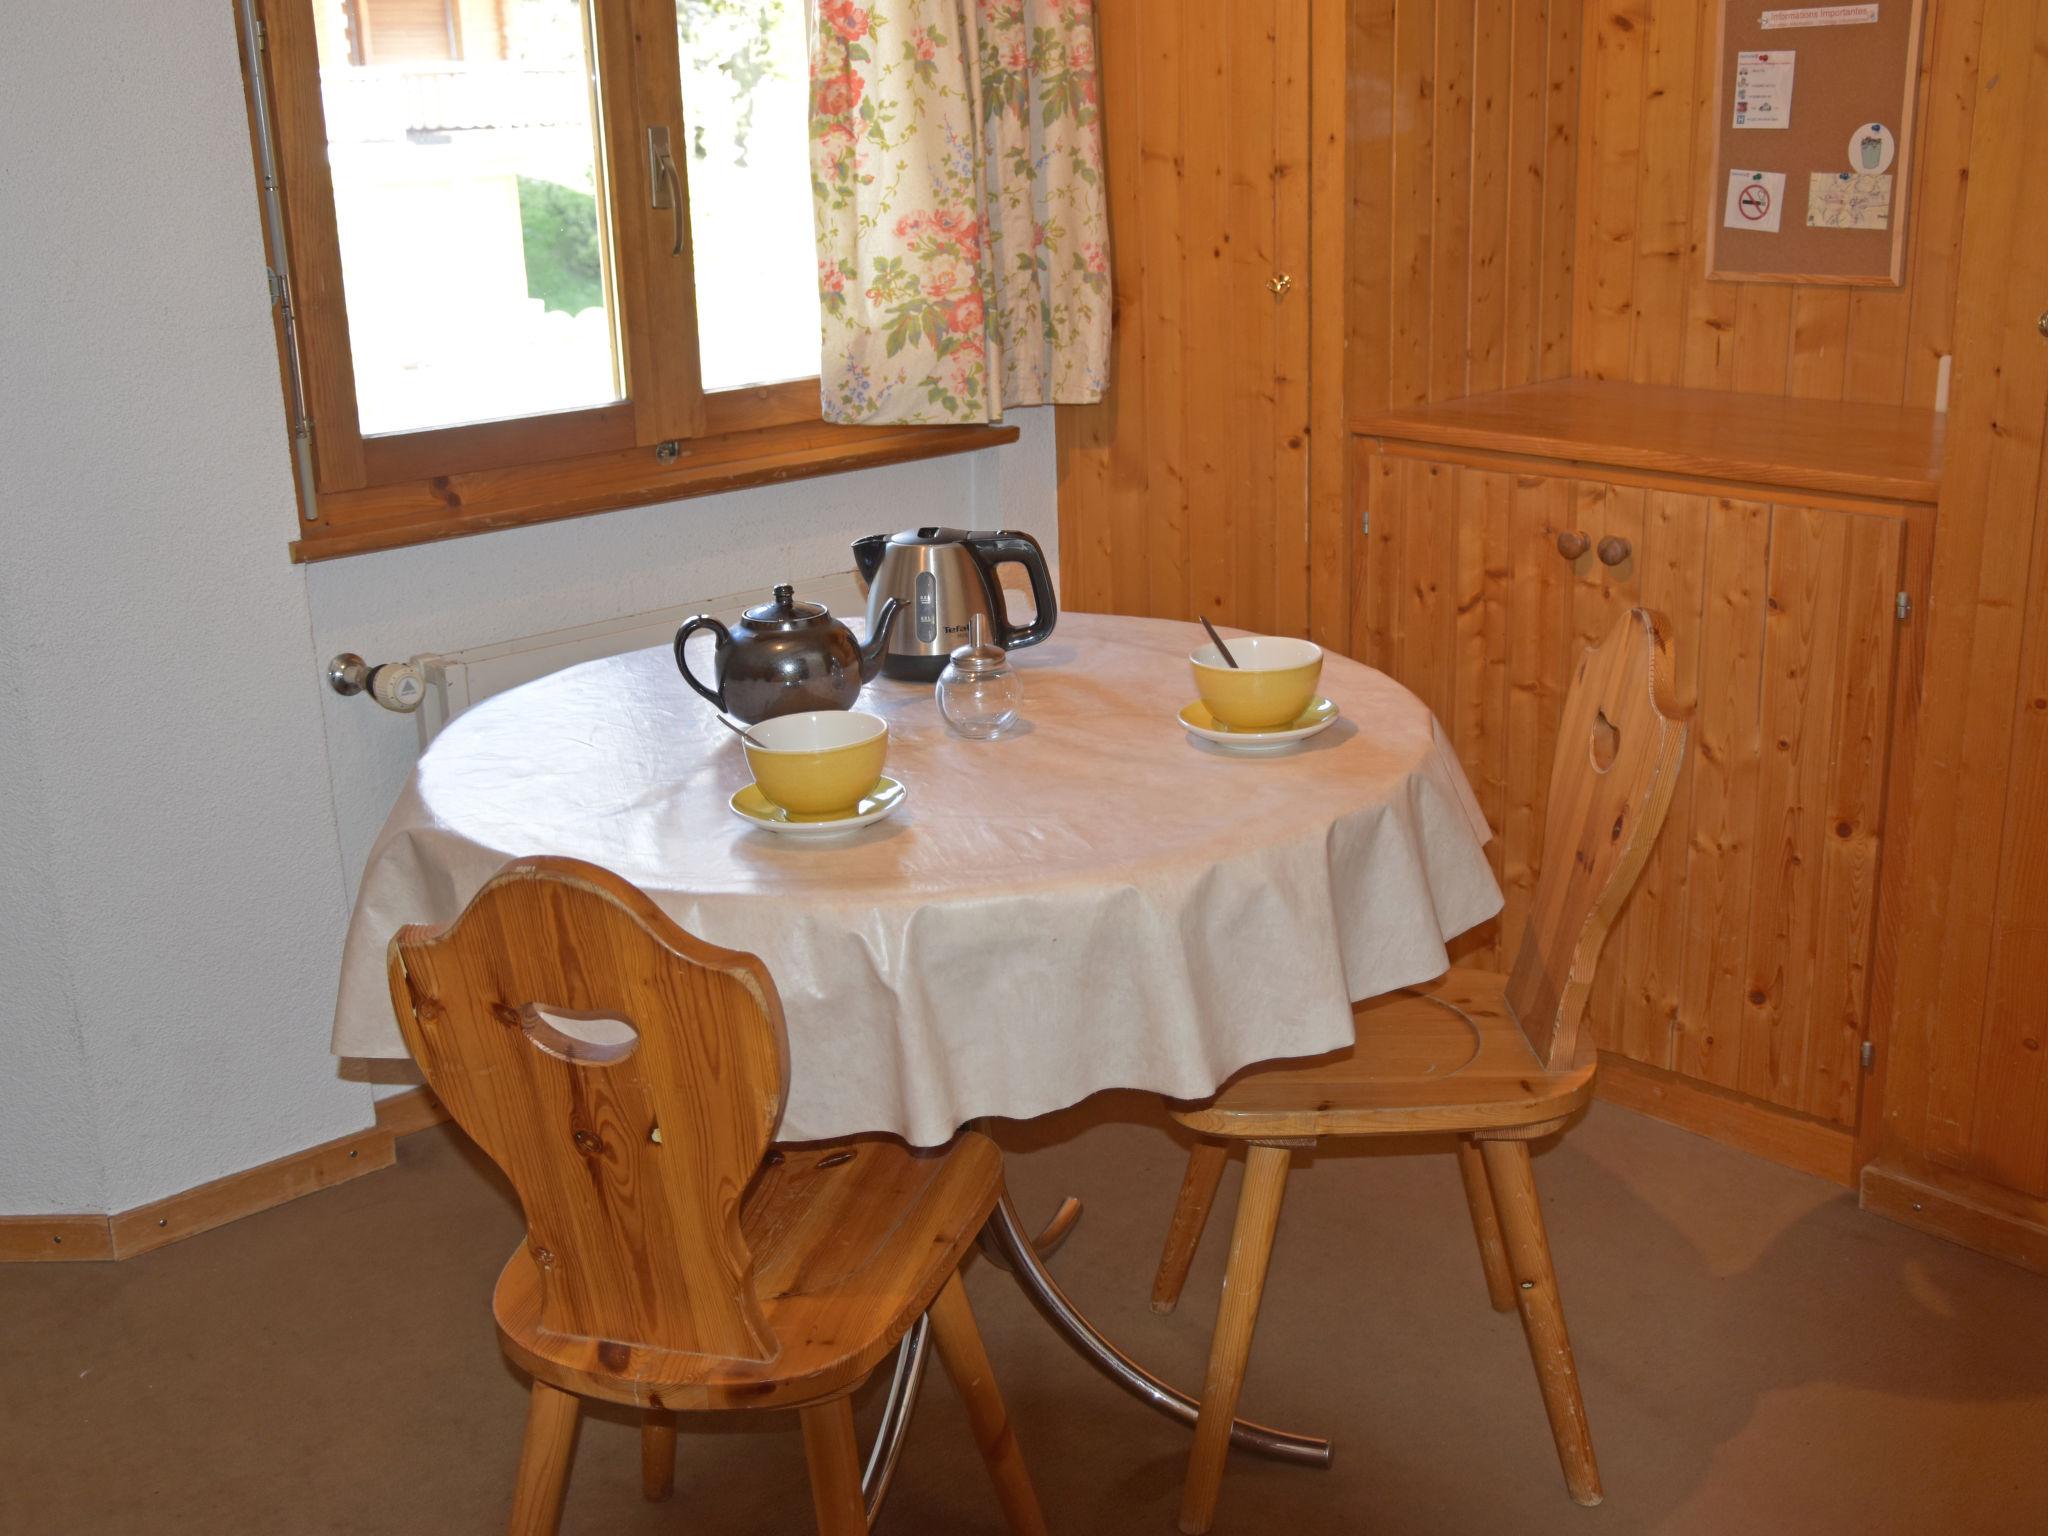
[628,1079]
[1497,1060]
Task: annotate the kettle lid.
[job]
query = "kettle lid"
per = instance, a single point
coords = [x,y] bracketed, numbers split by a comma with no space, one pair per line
[929,535]
[785,612]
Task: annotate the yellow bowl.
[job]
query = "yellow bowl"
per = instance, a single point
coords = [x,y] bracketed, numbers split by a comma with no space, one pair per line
[1273,682]
[820,761]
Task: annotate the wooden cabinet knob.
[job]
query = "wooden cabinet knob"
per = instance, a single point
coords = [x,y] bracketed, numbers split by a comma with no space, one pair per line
[1613,550]
[1572,544]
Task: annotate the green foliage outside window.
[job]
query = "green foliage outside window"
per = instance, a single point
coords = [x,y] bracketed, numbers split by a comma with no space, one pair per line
[563,267]
[737,38]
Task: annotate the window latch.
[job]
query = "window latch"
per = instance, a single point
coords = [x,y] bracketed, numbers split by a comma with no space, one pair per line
[664,186]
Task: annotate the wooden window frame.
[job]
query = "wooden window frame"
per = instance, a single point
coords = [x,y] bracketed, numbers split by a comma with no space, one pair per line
[667,439]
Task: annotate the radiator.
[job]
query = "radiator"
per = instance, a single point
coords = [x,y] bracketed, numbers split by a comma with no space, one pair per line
[457,679]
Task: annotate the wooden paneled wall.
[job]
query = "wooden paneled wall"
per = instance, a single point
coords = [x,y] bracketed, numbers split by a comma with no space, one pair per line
[1462,170]
[1967,1089]
[1644,307]
[1185,490]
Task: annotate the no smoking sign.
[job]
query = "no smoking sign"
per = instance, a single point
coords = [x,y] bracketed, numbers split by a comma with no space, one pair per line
[1756,201]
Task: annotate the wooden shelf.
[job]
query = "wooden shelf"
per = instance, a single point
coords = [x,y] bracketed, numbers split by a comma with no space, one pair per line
[1887,452]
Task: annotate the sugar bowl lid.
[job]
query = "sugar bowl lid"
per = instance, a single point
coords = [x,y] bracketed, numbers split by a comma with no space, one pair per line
[784,611]
[979,656]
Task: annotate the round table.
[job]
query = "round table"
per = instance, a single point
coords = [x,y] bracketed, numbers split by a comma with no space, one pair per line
[1096,899]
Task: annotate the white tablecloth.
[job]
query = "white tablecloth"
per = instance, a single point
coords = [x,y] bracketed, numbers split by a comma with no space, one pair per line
[1096,901]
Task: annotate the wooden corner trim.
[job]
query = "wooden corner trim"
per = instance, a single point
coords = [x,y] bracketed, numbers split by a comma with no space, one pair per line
[46,1239]
[414,1110]
[255,1189]
[1927,1206]
[199,1209]
[1779,1136]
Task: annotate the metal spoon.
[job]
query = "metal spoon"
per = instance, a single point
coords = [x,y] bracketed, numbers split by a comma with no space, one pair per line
[1222,649]
[744,734]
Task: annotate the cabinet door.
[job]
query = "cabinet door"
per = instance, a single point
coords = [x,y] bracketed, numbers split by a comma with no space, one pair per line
[1185,490]
[1742,958]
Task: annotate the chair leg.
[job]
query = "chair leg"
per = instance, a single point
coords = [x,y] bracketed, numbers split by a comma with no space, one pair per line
[966,1361]
[1251,1246]
[1190,1216]
[1521,1218]
[658,1454]
[834,1458]
[544,1461]
[1493,1253]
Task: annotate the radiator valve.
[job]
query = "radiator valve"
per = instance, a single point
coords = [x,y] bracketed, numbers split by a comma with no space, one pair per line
[397,685]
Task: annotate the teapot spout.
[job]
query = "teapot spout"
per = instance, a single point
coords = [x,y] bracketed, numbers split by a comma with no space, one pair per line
[877,648]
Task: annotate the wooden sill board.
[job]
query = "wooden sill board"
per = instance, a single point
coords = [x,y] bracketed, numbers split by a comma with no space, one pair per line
[1885,452]
[483,501]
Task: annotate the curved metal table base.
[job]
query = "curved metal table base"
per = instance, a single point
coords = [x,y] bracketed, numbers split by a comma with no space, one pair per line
[1006,1233]
[1024,1258]
[896,1408]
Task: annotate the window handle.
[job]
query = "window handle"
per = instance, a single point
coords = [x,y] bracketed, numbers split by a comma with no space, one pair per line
[664,186]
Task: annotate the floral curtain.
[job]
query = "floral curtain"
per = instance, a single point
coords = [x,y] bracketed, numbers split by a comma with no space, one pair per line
[963,236]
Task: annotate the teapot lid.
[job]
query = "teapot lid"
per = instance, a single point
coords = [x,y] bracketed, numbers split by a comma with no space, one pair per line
[785,612]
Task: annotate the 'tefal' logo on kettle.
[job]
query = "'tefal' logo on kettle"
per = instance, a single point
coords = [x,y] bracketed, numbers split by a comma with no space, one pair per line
[927,601]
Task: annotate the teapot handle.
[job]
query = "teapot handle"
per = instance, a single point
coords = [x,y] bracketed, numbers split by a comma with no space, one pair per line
[703,621]
[1002,548]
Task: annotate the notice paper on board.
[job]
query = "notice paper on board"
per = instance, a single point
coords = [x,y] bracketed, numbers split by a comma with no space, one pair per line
[1820,16]
[1763,90]
[1848,200]
[1756,200]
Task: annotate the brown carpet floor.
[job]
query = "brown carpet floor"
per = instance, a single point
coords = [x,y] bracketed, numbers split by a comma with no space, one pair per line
[1757,1354]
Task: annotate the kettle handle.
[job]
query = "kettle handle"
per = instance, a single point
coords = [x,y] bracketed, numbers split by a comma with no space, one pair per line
[702,621]
[1003,548]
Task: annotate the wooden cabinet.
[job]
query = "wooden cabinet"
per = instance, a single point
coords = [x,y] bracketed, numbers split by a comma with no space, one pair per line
[1742,964]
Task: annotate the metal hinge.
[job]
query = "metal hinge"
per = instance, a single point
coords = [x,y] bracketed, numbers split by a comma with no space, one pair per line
[1905,607]
[262,37]
[276,280]
[1365,521]
[1869,1055]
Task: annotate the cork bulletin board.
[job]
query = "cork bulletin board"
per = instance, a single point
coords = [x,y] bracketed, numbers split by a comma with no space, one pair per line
[1813,117]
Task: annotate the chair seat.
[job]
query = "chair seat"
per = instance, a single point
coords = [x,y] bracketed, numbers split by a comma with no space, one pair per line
[851,1243]
[1444,1056]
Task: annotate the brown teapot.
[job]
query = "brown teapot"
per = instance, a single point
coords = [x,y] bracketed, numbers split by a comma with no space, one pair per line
[784,657]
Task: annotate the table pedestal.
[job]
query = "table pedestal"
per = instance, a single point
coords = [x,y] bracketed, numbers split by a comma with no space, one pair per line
[1005,1240]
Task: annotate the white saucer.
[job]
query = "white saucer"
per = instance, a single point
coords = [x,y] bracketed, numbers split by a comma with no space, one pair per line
[757,810]
[1319,716]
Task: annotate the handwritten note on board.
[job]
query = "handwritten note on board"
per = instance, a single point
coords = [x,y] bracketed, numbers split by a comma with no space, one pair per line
[1848,200]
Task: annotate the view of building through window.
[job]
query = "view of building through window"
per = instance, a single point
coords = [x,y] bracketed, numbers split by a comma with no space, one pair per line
[475,253]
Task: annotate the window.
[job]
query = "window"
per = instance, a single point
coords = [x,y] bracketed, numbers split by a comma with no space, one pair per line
[541,258]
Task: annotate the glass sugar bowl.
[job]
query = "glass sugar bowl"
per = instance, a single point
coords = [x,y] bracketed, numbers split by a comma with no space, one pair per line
[979,691]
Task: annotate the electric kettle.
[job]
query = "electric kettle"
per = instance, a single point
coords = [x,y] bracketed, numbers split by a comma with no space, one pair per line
[943,577]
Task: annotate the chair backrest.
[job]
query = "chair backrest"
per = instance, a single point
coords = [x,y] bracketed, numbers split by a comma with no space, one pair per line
[626,1077]
[1619,749]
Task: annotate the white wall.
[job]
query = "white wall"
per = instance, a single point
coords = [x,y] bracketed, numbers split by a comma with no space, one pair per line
[52,1157]
[185,807]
